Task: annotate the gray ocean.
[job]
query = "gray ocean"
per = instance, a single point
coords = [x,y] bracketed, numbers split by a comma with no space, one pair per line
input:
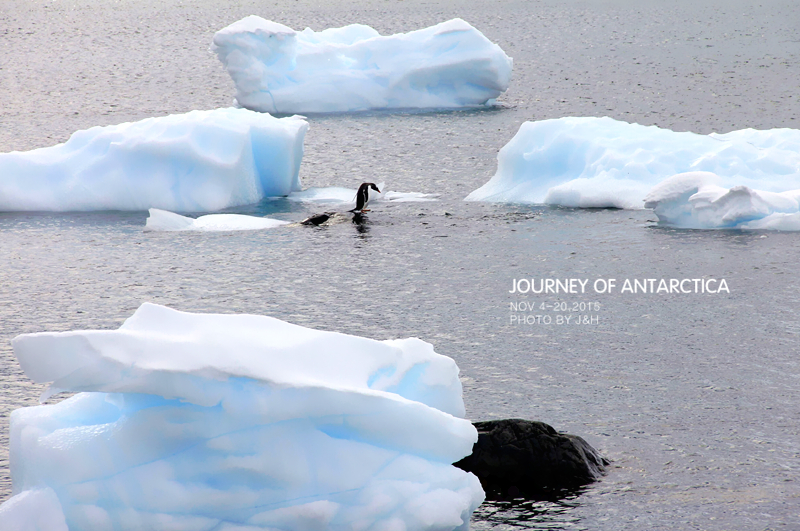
[695,398]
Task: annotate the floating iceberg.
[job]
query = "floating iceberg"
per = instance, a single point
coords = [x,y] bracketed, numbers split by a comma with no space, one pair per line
[279,70]
[601,162]
[240,422]
[196,162]
[340,195]
[33,510]
[161,220]
[695,200]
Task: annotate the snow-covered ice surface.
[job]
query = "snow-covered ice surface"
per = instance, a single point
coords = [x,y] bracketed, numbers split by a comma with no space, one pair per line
[602,162]
[277,69]
[193,421]
[162,220]
[695,200]
[195,162]
[335,195]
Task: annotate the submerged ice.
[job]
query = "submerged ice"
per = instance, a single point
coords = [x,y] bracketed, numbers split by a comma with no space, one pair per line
[338,197]
[196,162]
[277,69]
[239,422]
[601,162]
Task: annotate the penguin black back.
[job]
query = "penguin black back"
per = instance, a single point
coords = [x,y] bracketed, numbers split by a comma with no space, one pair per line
[316,220]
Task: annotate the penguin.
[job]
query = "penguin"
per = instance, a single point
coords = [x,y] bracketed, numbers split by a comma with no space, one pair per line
[317,219]
[362,197]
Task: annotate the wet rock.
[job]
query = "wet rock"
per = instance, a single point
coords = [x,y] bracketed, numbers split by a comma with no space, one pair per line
[529,458]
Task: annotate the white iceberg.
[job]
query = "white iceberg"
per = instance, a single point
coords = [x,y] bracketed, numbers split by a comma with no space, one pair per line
[601,162]
[279,70]
[695,200]
[162,220]
[336,195]
[33,510]
[196,162]
[241,422]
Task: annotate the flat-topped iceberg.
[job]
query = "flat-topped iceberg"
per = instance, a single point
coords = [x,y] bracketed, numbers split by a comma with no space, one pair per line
[240,422]
[695,200]
[279,70]
[601,162]
[196,162]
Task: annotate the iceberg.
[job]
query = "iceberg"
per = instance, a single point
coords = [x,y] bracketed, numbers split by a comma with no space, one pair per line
[695,200]
[200,161]
[602,162]
[162,220]
[239,422]
[33,510]
[279,70]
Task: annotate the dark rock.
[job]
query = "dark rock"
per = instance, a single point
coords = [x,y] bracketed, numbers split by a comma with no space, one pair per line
[523,457]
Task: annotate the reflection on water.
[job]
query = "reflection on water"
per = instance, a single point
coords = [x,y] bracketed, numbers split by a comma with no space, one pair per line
[527,514]
[361,223]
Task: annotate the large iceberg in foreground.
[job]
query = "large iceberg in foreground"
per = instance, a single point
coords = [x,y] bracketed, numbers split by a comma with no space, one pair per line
[695,200]
[196,162]
[240,422]
[601,162]
[277,69]
[33,510]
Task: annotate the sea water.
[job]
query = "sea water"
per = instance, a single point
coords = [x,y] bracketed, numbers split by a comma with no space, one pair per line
[693,396]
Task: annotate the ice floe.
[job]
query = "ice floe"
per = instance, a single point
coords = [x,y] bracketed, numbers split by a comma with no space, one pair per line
[239,422]
[602,162]
[277,69]
[162,220]
[195,162]
[336,195]
[695,200]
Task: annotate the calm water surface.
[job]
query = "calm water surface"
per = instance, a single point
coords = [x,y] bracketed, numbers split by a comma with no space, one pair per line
[694,397]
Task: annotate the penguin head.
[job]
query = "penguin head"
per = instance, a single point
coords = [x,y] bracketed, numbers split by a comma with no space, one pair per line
[365,188]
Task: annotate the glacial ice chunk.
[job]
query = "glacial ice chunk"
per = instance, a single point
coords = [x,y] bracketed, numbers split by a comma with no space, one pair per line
[777,221]
[241,422]
[602,162]
[279,70]
[33,510]
[196,162]
[162,220]
[695,200]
